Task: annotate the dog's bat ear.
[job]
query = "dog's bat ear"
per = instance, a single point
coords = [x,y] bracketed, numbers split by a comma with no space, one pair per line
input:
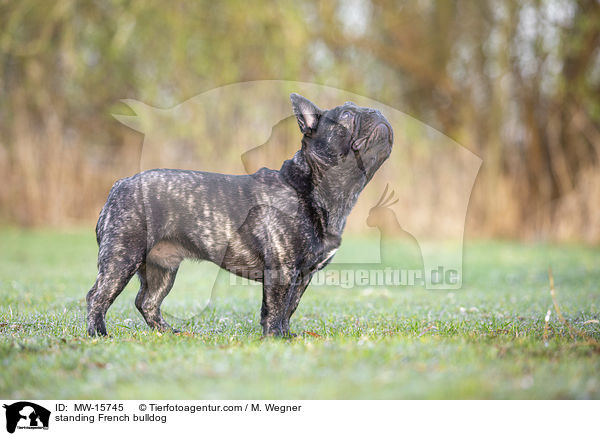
[306,112]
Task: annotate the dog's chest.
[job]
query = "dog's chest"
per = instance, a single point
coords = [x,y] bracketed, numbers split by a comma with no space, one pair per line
[326,258]
[326,251]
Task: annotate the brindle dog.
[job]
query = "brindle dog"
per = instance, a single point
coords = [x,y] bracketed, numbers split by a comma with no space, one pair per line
[276,227]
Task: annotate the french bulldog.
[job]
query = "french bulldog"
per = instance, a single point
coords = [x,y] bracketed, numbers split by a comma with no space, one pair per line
[275,227]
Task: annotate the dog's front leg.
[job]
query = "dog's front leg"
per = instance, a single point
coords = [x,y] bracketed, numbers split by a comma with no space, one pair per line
[280,288]
[295,297]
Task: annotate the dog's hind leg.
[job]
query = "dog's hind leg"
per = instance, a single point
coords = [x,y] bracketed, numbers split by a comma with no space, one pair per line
[112,279]
[155,283]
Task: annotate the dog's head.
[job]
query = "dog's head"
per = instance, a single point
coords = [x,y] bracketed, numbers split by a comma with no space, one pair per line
[348,142]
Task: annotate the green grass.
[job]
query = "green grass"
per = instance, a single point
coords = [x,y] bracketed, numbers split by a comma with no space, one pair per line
[483,341]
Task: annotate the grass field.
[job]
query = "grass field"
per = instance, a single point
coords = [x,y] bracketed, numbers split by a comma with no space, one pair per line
[486,340]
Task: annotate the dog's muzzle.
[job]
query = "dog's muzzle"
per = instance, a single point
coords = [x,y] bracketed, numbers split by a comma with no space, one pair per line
[382,133]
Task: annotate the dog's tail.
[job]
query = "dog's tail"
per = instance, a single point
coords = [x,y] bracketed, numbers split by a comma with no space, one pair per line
[104,217]
[100,225]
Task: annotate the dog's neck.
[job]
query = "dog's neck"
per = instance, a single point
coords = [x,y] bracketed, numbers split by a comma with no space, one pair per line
[330,197]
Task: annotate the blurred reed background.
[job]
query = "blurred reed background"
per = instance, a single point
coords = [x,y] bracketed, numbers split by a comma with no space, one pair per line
[516,82]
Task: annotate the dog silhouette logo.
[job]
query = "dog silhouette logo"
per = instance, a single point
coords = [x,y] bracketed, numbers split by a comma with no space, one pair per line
[26,415]
[246,126]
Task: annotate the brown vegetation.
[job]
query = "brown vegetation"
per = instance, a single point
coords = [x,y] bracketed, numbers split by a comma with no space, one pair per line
[516,82]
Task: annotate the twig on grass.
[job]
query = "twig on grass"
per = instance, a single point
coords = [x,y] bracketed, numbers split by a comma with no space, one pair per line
[431,327]
[591,321]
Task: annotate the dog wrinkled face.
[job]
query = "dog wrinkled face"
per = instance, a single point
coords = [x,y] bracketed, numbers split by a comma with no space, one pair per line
[349,138]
